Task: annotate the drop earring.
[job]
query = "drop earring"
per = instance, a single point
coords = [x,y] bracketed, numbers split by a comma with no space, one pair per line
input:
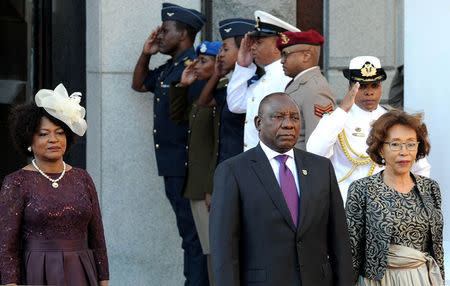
[383,161]
[29,148]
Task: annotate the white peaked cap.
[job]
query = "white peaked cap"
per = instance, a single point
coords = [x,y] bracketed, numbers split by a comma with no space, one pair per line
[267,18]
[358,62]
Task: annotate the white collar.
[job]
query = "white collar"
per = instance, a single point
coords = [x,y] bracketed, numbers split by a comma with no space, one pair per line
[273,67]
[356,110]
[229,75]
[305,71]
[271,154]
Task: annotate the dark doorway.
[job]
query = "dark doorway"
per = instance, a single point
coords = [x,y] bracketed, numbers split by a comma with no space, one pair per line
[43,44]
[310,16]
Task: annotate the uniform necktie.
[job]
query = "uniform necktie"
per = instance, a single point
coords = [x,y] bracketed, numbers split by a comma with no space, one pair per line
[288,187]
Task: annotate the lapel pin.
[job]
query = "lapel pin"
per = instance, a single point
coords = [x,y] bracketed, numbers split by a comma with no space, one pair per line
[304,172]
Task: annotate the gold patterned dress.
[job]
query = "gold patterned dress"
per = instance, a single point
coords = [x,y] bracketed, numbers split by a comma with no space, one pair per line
[409,246]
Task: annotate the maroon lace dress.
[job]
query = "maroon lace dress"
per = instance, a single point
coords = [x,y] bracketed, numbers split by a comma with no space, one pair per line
[51,236]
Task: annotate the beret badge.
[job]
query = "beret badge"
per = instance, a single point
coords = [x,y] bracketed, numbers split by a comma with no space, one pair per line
[203,48]
[284,39]
[228,30]
[170,14]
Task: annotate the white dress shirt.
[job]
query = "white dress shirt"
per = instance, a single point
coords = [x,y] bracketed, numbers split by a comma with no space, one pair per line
[242,98]
[357,124]
[290,163]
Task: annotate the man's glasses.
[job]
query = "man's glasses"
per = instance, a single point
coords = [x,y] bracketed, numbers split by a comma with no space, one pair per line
[397,146]
[285,54]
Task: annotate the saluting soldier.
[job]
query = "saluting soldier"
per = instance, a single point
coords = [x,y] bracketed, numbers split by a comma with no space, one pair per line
[259,46]
[300,52]
[341,136]
[231,129]
[175,38]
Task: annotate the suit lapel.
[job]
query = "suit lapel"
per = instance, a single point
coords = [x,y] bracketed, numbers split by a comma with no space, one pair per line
[305,183]
[264,172]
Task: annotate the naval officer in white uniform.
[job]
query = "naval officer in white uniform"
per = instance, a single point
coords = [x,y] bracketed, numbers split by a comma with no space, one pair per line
[341,136]
[259,46]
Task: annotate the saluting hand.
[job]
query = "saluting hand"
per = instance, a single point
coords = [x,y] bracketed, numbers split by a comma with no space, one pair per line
[349,99]
[188,76]
[245,57]
[151,44]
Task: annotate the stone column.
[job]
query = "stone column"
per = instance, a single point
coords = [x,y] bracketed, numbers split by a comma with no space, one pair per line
[143,243]
[283,9]
[362,28]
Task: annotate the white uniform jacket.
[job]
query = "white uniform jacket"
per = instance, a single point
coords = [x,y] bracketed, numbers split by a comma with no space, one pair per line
[356,124]
[242,98]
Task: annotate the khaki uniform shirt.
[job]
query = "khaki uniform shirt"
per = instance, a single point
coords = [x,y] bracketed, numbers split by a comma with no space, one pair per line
[314,97]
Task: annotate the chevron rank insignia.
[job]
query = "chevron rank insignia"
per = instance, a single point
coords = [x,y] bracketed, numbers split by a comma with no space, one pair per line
[321,110]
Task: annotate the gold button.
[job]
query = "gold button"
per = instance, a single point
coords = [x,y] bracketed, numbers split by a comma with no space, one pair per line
[157,146]
[245,145]
[157,99]
[263,80]
[185,163]
[189,131]
[245,121]
[162,83]
[154,131]
[187,147]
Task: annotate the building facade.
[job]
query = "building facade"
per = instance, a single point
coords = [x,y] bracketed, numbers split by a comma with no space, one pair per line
[92,46]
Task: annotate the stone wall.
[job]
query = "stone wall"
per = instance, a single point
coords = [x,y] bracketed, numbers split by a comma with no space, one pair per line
[143,243]
[356,28]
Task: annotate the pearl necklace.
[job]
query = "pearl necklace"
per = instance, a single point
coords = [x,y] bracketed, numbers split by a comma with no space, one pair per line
[54,181]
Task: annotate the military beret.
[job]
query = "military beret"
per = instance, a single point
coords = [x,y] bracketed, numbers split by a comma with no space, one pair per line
[191,17]
[365,70]
[309,37]
[208,48]
[235,27]
[268,25]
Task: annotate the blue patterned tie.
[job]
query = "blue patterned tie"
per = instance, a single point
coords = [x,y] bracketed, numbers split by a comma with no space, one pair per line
[288,187]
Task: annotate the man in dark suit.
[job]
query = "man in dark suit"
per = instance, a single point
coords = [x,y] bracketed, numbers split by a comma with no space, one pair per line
[277,216]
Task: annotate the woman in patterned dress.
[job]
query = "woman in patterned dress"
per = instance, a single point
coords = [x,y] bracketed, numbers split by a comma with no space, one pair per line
[51,227]
[394,217]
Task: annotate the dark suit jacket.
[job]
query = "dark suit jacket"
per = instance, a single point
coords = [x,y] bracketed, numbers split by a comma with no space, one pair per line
[253,238]
[370,208]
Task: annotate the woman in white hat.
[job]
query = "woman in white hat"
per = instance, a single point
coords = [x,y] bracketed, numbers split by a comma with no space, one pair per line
[50,221]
